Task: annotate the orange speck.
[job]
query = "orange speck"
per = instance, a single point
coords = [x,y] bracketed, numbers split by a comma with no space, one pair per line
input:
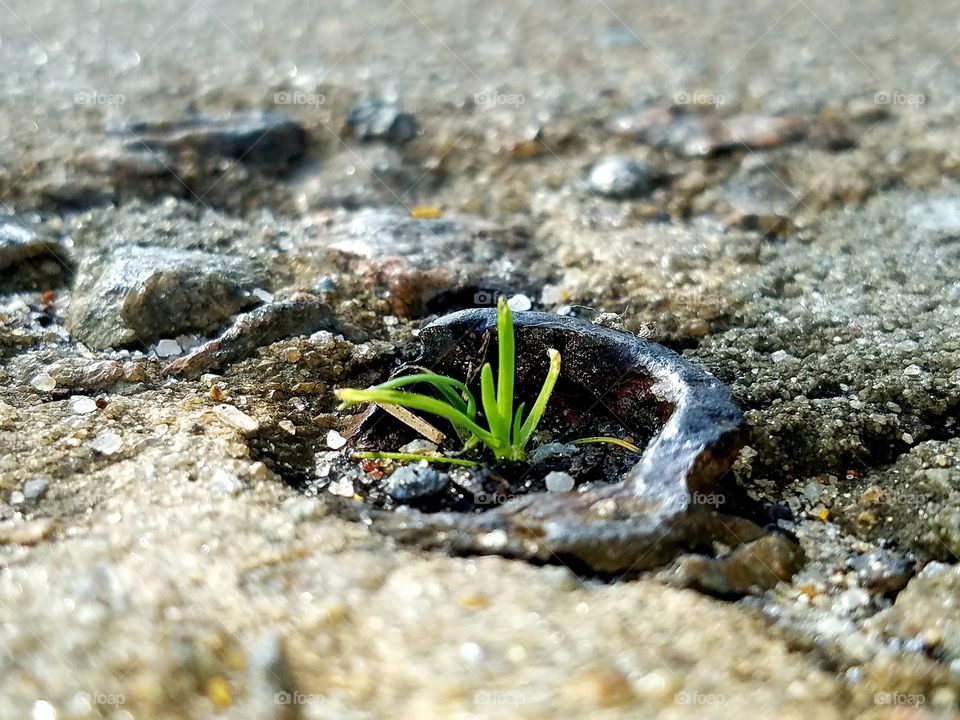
[824,515]
[425,212]
[219,692]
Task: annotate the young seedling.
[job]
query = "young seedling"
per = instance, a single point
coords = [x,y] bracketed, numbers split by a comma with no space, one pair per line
[507,432]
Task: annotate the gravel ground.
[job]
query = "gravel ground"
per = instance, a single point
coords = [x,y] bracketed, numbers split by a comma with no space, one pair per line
[770,189]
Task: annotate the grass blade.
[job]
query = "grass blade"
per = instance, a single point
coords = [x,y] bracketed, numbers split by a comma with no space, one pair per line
[416,401]
[490,409]
[443,383]
[414,457]
[506,365]
[540,406]
[517,422]
[625,444]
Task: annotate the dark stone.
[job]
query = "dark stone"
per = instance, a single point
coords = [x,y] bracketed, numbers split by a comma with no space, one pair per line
[255,138]
[19,243]
[376,119]
[412,482]
[659,508]
[301,314]
[424,265]
[750,568]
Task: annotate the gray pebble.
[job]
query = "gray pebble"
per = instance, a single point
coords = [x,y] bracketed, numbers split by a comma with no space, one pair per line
[141,294]
[35,489]
[619,177]
[552,450]
[415,481]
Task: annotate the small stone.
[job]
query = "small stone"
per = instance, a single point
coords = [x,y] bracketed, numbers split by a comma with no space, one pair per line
[335,440]
[779,356]
[341,488]
[35,489]
[81,374]
[376,119]
[559,482]
[17,497]
[912,370]
[413,482]
[420,445]
[553,295]
[519,303]
[43,382]
[19,243]
[168,348]
[28,532]
[288,427]
[619,178]
[83,405]
[107,443]
[548,451]
[697,327]
[236,417]
[471,652]
[225,482]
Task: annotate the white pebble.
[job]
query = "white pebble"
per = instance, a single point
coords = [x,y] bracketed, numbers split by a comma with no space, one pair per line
[335,441]
[168,348]
[471,652]
[42,710]
[107,442]
[341,488]
[43,382]
[83,405]
[263,295]
[553,295]
[519,303]
[559,481]
[237,418]
[225,482]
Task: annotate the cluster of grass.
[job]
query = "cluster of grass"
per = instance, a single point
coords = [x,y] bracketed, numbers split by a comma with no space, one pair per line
[494,422]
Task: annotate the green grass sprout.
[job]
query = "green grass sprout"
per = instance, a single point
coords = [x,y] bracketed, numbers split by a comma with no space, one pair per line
[414,457]
[625,444]
[507,433]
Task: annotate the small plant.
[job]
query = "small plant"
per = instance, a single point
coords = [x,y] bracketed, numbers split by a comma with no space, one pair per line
[507,432]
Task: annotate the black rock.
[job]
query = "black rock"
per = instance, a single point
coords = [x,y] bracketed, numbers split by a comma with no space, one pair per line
[413,482]
[257,138]
[376,119]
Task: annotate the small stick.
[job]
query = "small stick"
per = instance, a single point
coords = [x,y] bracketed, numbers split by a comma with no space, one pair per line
[414,421]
